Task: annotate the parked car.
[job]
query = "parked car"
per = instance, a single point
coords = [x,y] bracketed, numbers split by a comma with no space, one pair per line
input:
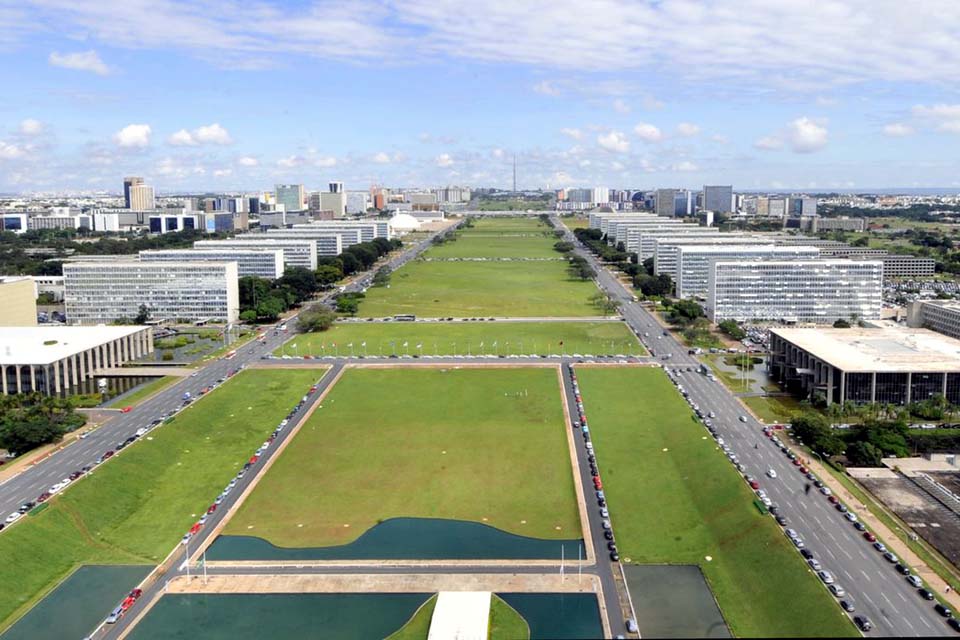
[863,623]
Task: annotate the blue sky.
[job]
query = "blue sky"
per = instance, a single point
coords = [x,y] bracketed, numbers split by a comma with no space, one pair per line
[226,95]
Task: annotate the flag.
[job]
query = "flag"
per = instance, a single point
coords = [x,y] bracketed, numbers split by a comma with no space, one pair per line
[363,344]
[350,344]
[333,344]
[419,345]
[405,343]
[293,346]
[481,343]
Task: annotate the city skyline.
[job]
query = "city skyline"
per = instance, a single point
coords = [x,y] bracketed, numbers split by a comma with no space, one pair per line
[417,94]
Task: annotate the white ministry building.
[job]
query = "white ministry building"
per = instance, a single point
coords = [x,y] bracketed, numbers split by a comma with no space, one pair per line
[262,263]
[693,262]
[666,248]
[296,252]
[817,291]
[102,292]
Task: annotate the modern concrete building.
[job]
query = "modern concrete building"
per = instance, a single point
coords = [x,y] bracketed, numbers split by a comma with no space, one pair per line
[261,263]
[18,301]
[52,360]
[15,222]
[887,365]
[819,223]
[666,202]
[176,221]
[299,252]
[329,242]
[718,199]
[643,241]
[794,291]
[141,197]
[896,265]
[291,196]
[942,316]
[368,229]
[665,248]
[693,262]
[128,183]
[103,292]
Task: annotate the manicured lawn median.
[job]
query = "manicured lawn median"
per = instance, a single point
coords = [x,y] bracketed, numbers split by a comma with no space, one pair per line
[491,245]
[773,409]
[674,498]
[469,289]
[474,338]
[134,508]
[482,445]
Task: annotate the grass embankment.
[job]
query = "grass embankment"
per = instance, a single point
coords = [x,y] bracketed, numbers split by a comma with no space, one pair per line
[772,409]
[483,445]
[146,390]
[470,289]
[475,338]
[505,622]
[674,498]
[134,508]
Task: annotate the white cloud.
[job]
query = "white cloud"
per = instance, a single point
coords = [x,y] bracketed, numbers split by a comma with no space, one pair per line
[546,88]
[247,161]
[444,160]
[620,106]
[652,104]
[31,127]
[688,129]
[769,143]
[617,166]
[291,161]
[897,130]
[79,61]
[498,153]
[806,135]
[685,165]
[133,136]
[614,141]
[206,134]
[943,117]
[9,151]
[648,132]
[325,161]
[719,138]
[382,158]
[222,173]
[576,134]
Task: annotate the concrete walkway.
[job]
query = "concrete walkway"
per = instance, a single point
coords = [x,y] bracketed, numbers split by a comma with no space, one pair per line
[123,372]
[461,615]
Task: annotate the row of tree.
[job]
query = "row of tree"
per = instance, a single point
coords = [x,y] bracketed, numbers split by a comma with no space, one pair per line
[30,420]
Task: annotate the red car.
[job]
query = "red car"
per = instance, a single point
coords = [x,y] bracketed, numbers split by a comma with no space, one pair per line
[803,469]
[597,483]
[253,459]
[869,536]
[211,508]
[108,454]
[796,462]
[136,593]
[195,528]
[754,485]
[127,602]
[833,499]
[313,389]
[126,410]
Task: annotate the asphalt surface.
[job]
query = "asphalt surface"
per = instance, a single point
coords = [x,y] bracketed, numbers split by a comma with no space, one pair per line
[877,591]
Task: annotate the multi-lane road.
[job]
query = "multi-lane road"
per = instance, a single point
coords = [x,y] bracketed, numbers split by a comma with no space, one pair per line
[872,585]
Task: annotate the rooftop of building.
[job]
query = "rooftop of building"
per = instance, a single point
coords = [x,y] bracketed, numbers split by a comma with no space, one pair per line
[755,247]
[45,345]
[12,279]
[887,348]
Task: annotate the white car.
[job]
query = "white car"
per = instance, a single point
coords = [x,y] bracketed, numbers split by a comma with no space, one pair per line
[13,517]
[771,473]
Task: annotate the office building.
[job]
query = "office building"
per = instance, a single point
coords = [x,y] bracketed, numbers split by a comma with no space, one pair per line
[718,199]
[942,316]
[885,365]
[803,206]
[777,207]
[329,242]
[291,196]
[15,222]
[262,263]
[56,360]
[666,200]
[896,265]
[693,262]
[50,285]
[452,195]
[368,229]
[141,197]
[128,183]
[794,291]
[335,201]
[297,252]
[665,249]
[171,222]
[18,301]
[104,292]
[643,240]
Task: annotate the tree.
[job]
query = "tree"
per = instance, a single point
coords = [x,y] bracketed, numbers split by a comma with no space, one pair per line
[563,247]
[864,454]
[328,274]
[350,263]
[732,329]
[301,281]
[252,290]
[143,315]
[347,304]
[270,308]
[382,277]
[840,323]
[30,420]
[316,318]
[248,315]
[648,266]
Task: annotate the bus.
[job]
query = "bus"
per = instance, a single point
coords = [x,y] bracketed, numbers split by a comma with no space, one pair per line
[404,317]
[230,354]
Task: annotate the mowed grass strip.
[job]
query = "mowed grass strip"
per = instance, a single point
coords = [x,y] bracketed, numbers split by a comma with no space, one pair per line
[475,338]
[491,245]
[133,509]
[146,390]
[508,224]
[674,498]
[470,289]
[484,445]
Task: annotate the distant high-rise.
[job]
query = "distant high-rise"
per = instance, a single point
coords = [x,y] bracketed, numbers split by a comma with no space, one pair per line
[291,196]
[666,202]
[128,182]
[718,199]
[336,187]
[141,198]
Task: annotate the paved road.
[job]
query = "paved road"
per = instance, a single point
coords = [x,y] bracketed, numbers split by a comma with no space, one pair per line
[877,591]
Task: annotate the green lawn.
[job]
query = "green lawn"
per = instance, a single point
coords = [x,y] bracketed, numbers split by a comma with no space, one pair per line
[446,338]
[469,289]
[576,222]
[483,445]
[674,498]
[470,244]
[505,622]
[773,409]
[512,224]
[134,508]
[147,389]
[418,626]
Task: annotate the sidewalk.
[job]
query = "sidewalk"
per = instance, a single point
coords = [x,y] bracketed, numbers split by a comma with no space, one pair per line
[895,544]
